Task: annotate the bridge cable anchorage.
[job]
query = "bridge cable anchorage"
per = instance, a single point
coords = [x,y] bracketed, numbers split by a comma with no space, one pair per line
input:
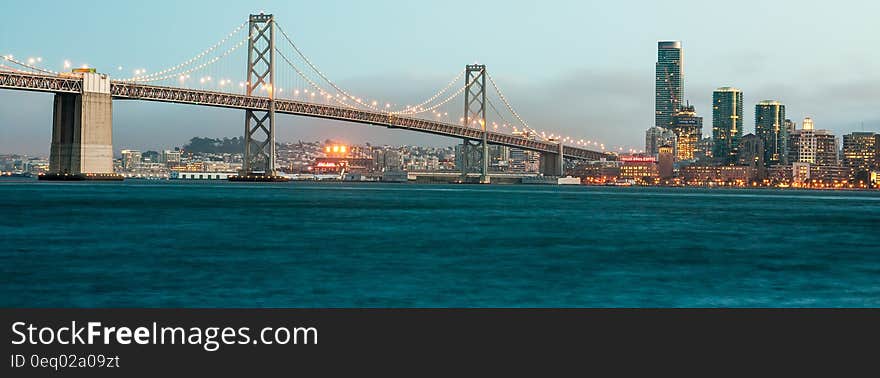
[190,61]
[191,70]
[12,59]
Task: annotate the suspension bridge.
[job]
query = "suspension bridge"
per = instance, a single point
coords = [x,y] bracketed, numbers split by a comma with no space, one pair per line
[82,116]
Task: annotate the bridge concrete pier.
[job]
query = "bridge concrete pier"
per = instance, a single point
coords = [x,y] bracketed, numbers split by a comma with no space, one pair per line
[553,164]
[82,133]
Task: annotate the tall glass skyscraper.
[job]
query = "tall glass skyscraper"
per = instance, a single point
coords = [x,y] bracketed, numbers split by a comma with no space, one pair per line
[670,82]
[771,128]
[727,123]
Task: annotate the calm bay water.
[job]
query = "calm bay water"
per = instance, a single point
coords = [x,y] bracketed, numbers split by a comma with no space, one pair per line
[177,244]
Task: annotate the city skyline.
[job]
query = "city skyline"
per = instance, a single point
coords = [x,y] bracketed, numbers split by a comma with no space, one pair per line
[606,96]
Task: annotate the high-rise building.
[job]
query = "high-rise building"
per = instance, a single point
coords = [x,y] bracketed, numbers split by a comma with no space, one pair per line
[669,82]
[860,151]
[171,158]
[385,160]
[771,128]
[130,159]
[703,151]
[790,126]
[877,144]
[499,158]
[751,153]
[688,129]
[727,123]
[523,161]
[816,147]
[656,137]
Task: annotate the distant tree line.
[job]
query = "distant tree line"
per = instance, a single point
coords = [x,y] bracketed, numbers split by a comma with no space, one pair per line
[215,145]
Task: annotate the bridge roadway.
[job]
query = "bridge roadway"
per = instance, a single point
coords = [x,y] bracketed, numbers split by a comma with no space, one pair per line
[134,91]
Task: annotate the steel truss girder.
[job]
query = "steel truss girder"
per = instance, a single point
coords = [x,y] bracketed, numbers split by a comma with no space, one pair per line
[132,91]
[41,83]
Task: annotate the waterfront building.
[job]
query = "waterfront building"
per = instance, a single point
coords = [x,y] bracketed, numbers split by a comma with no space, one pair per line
[817,147]
[597,171]
[877,145]
[640,168]
[656,137]
[688,129]
[705,174]
[665,162]
[751,153]
[386,160]
[171,158]
[131,159]
[860,152]
[771,128]
[727,123]
[779,173]
[800,172]
[669,85]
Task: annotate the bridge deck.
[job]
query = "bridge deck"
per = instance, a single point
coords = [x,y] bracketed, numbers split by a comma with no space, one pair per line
[134,91]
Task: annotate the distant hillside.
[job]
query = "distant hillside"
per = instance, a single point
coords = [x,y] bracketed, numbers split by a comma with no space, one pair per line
[216,146]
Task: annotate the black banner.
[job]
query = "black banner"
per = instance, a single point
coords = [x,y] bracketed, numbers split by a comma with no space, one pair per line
[124,343]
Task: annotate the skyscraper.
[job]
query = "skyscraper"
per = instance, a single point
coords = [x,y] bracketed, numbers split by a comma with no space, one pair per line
[816,147]
[688,129]
[859,151]
[771,128]
[669,82]
[727,123]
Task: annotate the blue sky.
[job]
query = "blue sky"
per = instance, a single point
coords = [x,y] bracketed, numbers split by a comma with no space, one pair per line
[581,68]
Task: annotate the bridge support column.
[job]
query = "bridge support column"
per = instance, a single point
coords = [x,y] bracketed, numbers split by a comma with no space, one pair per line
[258,164]
[82,133]
[553,164]
[475,113]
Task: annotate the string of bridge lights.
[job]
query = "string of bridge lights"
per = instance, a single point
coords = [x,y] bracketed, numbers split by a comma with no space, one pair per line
[183,75]
[30,64]
[344,103]
[358,100]
[543,134]
[448,99]
[435,96]
[312,83]
[409,110]
[147,78]
[421,108]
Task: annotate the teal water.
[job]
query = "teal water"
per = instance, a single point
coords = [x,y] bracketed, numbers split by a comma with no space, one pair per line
[176,244]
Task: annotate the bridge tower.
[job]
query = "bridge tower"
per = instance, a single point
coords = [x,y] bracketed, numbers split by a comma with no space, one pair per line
[475,151]
[259,126]
[82,133]
[553,164]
